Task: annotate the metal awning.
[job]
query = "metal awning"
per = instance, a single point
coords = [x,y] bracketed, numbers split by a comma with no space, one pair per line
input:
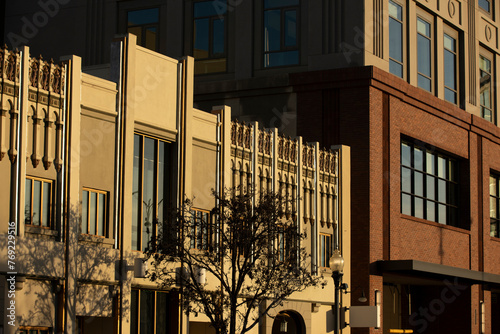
[425,268]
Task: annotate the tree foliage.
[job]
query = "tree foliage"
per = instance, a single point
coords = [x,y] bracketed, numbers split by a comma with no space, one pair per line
[250,255]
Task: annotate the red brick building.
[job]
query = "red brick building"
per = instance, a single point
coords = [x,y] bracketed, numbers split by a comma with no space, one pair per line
[424,174]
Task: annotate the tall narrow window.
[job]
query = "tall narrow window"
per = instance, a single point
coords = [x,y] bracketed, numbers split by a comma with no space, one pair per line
[38,202]
[494,206]
[424,54]
[151,312]
[144,24]
[450,69]
[281,31]
[151,188]
[201,230]
[485,88]
[94,212]
[209,41]
[396,39]
[325,249]
[429,184]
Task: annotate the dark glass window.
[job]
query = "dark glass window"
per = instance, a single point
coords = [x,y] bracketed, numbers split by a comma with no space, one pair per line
[201,230]
[424,56]
[151,187]
[485,88]
[281,31]
[149,312]
[38,202]
[144,24]
[94,212]
[325,249]
[485,5]
[450,69]
[429,184]
[396,39]
[494,206]
[210,36]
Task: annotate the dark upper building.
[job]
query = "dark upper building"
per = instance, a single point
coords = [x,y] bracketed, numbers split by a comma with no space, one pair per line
[410,85]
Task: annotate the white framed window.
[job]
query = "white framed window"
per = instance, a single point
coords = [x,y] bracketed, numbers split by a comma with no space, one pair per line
[38,202]
[94,212]
[396,39]
[451,65]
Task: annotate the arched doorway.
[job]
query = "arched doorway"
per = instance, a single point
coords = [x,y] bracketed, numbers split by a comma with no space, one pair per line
[289,322]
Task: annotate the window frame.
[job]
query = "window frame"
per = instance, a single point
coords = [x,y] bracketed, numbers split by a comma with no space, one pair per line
[105,213]
[430,20]
[137,305]
[494,220]
[198,239]
[167,178]
[211,55]
[452,33]
[489,56]
[324,257]
[283,47]
[403,39]
[452,198]
[484,11]
[144,27]
[50,205]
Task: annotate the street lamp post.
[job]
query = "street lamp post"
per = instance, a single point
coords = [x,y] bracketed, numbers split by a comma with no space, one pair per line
[337,265]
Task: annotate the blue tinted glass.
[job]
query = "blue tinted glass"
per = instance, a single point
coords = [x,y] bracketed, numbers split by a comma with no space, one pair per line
[424,55]
[272,30]
[484,4]
[290,28]
[280,3]
[201,31]
[210,8]
[450,69]
[424,82]
[395,40]
[218,37]
[395,68]
[144,16]
[281,58]
[450,96]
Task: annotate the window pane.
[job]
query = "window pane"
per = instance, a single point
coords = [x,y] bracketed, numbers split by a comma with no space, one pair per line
[134,312]
[150,42]
[395,68]
[281,58]
[493,207]
[450,96]
[37,204]
[442,214]
[418,158]
[149,204]
[406,179]
[272,31]
[162,313]
[46,204]
[493,186]
[450,70]
[290,28]
[85,212]
[424,55]
[442,167]
[431,211]
[494,228]
[442,191]
[406,204]
[449,43]
[136,195]
[218,37]
[201,40]
[484,4]
[395,40]
[405,154]
[419,184]
[209,8]
[395,10]
[102,218]
[431,187]
[162,196]
[430,161]
[423,27]
[144,16]
[419,207]
[93,213]
[147,312]
[27,202]
[424,83]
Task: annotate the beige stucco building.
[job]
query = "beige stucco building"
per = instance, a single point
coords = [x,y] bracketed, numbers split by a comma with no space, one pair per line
[87,164]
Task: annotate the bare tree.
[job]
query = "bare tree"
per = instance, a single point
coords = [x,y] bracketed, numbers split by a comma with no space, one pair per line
[236,263]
